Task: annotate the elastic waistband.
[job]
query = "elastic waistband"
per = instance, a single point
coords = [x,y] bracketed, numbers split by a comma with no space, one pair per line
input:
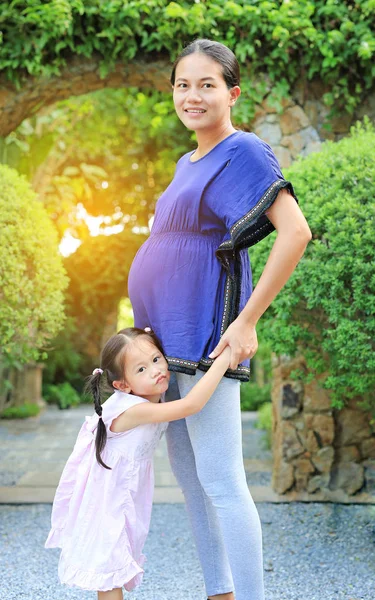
[211,236]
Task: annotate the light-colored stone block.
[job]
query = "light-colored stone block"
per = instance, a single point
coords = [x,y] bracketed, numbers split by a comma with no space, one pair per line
[323,459]
[353,426]
[293,119]
[269,132]
[291,445]
[348,477]
[282,476]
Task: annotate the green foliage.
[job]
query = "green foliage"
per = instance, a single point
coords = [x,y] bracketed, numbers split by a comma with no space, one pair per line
[327,309]
[98,273]
[254,395]
[264,420]
[258,390]
[32,278]
[63,394]
[288,40]
[64,362]
[261,364]
[125,316]
[20,412]
[61,151]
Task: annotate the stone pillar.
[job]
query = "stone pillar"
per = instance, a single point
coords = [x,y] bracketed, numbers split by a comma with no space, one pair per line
[320,453]
[22,385]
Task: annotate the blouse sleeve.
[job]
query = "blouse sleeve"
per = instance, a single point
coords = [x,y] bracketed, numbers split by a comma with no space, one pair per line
[244,191]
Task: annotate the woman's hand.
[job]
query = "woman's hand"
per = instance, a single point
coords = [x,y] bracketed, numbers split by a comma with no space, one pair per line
[241,337]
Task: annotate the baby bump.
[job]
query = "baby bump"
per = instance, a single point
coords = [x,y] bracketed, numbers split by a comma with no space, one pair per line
[174,268]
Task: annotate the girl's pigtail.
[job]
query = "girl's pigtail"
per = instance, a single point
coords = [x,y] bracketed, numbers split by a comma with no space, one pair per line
[95,388]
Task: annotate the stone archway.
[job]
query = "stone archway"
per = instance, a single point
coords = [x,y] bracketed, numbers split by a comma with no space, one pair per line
[80,76]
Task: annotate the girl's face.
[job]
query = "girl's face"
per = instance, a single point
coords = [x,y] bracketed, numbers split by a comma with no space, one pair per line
[146,370]
[200,94]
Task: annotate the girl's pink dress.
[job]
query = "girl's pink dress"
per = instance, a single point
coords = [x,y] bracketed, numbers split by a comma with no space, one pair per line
[101,518]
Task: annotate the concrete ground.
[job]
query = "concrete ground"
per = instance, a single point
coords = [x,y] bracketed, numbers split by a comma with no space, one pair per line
[311,552]
[33,453]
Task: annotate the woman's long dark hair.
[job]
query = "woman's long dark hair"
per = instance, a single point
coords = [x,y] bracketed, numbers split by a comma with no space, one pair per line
[219,53]
[112,365]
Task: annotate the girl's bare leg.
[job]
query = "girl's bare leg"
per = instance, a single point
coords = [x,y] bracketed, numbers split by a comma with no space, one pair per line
[115,594]
[222,597]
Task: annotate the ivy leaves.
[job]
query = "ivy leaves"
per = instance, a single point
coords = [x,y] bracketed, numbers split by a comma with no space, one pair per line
[286,40]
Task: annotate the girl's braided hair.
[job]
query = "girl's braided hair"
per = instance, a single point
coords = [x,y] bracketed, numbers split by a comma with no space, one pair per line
[112,369]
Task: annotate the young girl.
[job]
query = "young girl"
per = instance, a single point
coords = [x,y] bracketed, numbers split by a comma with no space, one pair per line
[102,507]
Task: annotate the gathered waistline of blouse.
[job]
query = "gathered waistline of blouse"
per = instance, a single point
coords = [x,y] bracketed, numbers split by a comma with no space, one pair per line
[211,236]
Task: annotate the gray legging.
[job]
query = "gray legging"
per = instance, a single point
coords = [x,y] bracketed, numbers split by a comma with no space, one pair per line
[205,451]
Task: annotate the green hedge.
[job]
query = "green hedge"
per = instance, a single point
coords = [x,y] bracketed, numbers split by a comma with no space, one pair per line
[63,394]
[20,412]
[264,422]
[330,39]
[327,309]
[253,396]
[32,277]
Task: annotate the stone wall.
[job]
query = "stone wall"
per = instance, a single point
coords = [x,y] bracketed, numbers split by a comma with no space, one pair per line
[320,453]
[303,124]
[290,134]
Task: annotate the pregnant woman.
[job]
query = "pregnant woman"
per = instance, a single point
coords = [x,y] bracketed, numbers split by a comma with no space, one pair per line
[191,282]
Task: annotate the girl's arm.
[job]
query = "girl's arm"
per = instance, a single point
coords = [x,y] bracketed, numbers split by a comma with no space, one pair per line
[293,235]
[194,401]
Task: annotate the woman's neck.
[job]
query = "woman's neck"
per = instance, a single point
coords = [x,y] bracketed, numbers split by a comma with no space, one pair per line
[209,139]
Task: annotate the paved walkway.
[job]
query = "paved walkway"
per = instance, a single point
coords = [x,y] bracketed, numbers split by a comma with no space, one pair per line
[33,453]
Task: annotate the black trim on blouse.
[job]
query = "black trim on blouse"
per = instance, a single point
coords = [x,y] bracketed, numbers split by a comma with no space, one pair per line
[247,231]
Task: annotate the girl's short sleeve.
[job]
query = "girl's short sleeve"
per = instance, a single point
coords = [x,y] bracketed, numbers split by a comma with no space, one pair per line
[244,190]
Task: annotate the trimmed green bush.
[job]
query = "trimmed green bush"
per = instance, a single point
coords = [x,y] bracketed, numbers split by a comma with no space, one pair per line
[254,395]
[32,277]
[63,394]
[327,309]
[265,422]
[265,417]
[20,412]
[64,362]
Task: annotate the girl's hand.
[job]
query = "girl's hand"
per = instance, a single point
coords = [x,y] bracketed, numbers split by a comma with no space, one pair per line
[242,339]
[225,356]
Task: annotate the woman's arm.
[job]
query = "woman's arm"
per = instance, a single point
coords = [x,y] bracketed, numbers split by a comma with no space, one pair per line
[293,235]
[194,401]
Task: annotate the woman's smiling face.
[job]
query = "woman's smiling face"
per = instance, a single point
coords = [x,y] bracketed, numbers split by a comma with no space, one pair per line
[201,97]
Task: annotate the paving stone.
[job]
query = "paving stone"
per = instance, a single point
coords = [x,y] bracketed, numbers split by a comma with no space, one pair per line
[35,452]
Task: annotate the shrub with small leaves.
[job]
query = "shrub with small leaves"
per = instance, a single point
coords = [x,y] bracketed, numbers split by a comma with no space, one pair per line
[327,309]
[254,395]
[23,411]
[63,394]
[32,277]
[264,422]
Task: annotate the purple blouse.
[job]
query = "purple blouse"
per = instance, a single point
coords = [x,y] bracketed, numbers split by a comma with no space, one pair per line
[192,277]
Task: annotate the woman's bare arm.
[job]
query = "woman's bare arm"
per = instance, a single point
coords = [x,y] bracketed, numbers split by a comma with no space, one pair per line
[193,402]
[293,235]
